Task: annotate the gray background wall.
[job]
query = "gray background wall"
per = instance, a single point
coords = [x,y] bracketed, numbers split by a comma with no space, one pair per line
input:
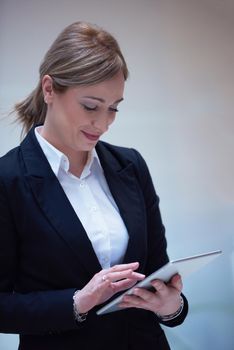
[178,112]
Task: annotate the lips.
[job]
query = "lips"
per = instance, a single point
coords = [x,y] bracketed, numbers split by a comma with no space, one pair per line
[91,137]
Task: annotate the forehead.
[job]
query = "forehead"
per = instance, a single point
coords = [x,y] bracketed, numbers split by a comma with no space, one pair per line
[110,90]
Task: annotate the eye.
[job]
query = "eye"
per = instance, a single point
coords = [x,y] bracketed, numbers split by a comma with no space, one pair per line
[89,108]
[112,109]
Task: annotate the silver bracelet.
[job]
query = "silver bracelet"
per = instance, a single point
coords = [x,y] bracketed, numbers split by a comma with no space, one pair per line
[175,314]
[78,317]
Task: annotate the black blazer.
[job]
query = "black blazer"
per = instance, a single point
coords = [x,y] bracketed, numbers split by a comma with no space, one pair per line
[45,254]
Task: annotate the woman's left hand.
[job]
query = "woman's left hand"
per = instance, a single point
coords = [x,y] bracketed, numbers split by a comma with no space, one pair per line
[165,300]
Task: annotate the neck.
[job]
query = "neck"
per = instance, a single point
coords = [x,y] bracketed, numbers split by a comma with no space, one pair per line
[77,162]
[77,159]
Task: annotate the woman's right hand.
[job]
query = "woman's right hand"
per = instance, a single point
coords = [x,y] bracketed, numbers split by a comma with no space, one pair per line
[105,284]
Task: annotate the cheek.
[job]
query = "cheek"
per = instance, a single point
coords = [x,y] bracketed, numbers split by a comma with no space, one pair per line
[74,118]
[111,119]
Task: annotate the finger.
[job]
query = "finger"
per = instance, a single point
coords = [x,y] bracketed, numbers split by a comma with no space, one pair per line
[129,301]
[176,282]
[127,274]
[144,294]
[123,284]
[160,286]
[122,267]
[128,268]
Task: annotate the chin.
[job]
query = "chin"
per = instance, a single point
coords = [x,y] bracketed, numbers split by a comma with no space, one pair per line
[89,147]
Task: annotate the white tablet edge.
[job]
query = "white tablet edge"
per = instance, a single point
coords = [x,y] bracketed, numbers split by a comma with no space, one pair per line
[184,266]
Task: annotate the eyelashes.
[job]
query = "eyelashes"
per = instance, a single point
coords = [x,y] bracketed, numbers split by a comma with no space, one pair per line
[95,108]
[87,108]
[113,109]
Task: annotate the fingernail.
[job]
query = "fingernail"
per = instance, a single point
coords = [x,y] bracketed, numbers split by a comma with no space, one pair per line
[156,284]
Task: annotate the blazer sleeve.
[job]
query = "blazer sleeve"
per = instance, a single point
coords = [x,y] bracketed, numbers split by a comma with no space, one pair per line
[36,312]
[157,244]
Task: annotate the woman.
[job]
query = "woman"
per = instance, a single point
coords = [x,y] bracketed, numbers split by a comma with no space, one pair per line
[79,217]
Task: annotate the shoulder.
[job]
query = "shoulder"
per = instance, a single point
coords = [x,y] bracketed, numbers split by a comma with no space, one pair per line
[13,164]
[120,158]
[10,155]
[123,155]
[9,162]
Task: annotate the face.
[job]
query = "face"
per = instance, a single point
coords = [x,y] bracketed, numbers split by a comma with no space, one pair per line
[77,118]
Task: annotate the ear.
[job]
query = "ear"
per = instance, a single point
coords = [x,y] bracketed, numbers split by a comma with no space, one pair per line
[47,88]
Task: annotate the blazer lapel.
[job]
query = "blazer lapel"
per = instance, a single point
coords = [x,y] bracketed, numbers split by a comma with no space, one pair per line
[55,204]
[129,199]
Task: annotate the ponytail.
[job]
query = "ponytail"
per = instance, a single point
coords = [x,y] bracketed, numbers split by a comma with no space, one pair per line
[32,110]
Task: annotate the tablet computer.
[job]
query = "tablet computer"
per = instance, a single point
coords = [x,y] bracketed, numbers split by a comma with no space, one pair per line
[183,266]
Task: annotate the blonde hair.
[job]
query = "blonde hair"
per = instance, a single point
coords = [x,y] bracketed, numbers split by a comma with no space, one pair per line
[82,54]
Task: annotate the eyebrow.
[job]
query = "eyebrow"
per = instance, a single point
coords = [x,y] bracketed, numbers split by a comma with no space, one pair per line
[101,99]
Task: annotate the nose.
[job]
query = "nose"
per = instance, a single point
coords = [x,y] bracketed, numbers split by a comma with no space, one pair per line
[102,122]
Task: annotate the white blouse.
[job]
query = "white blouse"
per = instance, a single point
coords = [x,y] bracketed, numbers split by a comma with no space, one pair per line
[93,203]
